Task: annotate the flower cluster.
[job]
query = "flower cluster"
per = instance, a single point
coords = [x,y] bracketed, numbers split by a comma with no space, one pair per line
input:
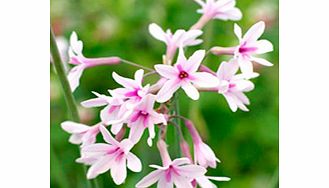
[140,107]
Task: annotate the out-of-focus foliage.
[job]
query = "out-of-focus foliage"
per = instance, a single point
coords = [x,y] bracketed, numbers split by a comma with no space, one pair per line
[245,142]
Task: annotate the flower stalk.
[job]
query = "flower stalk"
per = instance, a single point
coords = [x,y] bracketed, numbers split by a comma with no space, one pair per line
[58,64]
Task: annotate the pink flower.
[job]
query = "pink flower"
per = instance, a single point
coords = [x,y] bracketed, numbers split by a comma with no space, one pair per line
[203,154]
[180,38]
[142,117]
[219,9]
[81,133]
[250,46]
[81,62]
[233,86]
[179,172]
[132,88]
[114,111]
[204,181]
[183,74]
[114,155]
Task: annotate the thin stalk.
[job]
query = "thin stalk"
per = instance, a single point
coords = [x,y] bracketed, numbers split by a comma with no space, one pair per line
[177,122]
[136,65]
[57,62]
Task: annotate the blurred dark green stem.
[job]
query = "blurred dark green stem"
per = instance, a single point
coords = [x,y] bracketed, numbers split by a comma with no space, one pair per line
[58,64]
[177,127]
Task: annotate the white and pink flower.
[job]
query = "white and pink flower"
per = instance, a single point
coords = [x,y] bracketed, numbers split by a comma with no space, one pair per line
[203,154]
[81,133]
[81,62]
[184,74]
[144,117]
[250,46]
[179,172]
[114,155]
[232,86]
[180,38]
[115,110]
[219,9]
[132,88]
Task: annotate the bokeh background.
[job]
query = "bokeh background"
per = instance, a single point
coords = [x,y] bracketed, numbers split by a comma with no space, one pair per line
[246,142]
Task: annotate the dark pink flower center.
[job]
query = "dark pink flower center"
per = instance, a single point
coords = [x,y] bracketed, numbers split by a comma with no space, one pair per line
[247,49]
[231,85]
[171,170]
[183,75]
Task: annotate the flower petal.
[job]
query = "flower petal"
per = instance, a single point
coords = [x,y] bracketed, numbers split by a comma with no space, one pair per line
[204,182]
[263,46]
[261,61]
[74,76]
[107,136]
[163,183]
[167,90]
[190,90]
[157,32]
[238,31]
[125,82]
[98,147]
[193,63]
[139,76]
[181,161]
[101,166]
[136,131]
[191,171]
[119,171]
[231,102]
[166,71]
[133,162]
[227,70]
[246,67]
[150,179]
[182,182]
[218,178]
[254,32]
[204,79]
[72,127]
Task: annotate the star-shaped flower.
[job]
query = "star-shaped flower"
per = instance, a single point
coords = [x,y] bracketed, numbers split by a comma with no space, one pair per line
[114,155]
[184,74]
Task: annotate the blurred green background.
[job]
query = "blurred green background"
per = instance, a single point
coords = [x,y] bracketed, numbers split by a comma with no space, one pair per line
[246,142]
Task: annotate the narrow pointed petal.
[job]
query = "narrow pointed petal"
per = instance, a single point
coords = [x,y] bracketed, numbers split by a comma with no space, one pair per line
[181,161]
[157,32]
[167,90]
[238,31]
[263,46]
[119,172]
[125,82]
[166,71]
[100,167]
[136,131]
[231,102]
[194,61]
[181,57]
[150,179]
[203,79]
[192,171]
[133,163]
[74,76]
[107,136]
[191,91]
[72,127]
[204,182]
[261,61]
[218,178]
[182,182]
[254,32]
[139,76]
[246,67]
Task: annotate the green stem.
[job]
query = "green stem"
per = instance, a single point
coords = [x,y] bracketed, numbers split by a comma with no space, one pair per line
[177,122]
[136,65]
[57,62]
